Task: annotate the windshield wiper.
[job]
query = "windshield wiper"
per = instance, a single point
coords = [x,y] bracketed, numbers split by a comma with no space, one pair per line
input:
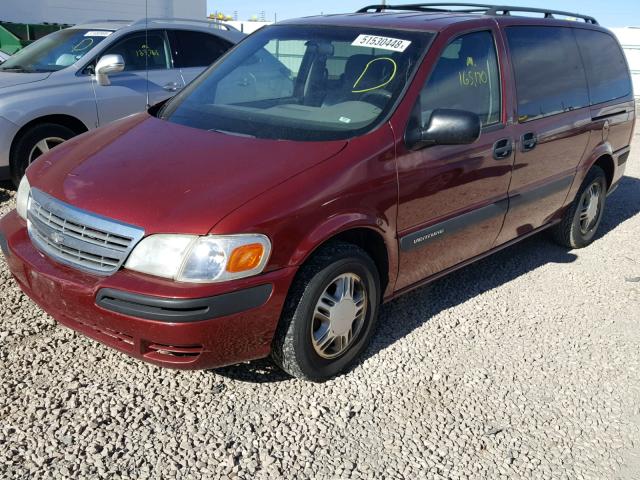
[17,68]
[227,132]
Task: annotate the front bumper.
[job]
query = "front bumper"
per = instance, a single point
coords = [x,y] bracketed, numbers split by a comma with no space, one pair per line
[166,323]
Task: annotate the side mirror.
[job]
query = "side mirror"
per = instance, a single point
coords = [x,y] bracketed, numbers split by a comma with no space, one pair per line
[108,65]
[446,127]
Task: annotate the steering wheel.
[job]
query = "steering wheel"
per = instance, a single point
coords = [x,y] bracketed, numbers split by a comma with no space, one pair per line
[379,97]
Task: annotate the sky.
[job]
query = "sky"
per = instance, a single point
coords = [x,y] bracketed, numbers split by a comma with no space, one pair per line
[610,13]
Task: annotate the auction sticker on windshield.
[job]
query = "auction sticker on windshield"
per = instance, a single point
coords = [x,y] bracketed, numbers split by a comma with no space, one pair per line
[98,33]
[384,43]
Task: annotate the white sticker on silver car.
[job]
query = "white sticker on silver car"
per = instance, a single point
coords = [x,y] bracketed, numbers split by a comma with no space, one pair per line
[383,43]
[98,33]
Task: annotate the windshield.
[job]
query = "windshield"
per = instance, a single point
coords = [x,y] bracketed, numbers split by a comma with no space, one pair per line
[302,83]
[55,51]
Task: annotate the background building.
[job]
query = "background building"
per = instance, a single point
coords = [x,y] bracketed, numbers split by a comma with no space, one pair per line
[78,11]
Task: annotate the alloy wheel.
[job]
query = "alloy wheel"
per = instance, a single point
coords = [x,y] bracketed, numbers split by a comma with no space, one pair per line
[339,315]
[43,146]
[590,207]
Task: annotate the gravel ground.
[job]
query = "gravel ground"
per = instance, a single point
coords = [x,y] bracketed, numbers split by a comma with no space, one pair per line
[525,365]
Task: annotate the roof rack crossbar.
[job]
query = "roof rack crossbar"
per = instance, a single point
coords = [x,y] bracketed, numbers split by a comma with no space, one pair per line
[486,9]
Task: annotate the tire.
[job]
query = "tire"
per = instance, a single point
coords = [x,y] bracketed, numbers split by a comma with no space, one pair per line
[574,230]
[294,348]
[26,150]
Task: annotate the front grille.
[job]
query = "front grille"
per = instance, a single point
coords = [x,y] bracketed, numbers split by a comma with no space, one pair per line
[78,238]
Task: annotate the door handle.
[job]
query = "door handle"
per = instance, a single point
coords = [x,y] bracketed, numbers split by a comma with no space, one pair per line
[171,87]
[528,141]
[502,149]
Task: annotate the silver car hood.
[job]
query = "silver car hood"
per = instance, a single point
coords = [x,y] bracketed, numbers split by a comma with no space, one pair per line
[11,79]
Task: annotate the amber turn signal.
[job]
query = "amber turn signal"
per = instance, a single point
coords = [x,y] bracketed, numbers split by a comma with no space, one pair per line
[246,257]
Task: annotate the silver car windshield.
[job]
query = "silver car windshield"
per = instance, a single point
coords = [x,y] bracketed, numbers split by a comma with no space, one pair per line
[302,83]
[56,51]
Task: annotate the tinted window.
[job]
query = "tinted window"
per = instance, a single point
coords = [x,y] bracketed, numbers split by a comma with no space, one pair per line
[466,77]
[140,50]
[197,49]
[549,74]
[607,72]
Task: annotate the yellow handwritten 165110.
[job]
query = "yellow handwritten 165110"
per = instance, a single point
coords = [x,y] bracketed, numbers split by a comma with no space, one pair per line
[473,78]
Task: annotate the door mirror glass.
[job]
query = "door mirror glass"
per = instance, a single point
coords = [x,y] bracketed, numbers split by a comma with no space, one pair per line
[108,65]
[446,127]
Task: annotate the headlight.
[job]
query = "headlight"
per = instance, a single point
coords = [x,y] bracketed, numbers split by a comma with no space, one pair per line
[214,258]
[22,202]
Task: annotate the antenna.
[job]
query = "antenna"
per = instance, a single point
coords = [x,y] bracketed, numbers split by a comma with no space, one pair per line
[146,44]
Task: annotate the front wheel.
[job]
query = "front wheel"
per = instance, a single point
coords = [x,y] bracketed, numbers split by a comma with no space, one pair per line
[580,222]
[330,313]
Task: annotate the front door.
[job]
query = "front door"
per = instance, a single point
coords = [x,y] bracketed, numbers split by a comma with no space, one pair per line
[453,198]
[127,93]
[553,124]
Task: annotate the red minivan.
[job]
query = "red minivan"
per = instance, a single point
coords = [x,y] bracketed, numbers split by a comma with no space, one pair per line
[323,166]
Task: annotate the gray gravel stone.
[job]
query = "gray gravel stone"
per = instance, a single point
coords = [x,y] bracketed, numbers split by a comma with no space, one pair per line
[525,365]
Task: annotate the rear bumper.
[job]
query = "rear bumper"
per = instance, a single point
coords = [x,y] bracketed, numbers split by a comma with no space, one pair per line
[169,324]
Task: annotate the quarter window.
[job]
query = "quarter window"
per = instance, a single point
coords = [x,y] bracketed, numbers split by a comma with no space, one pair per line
[466,77]
[550,78]
[140,50]
[607,71]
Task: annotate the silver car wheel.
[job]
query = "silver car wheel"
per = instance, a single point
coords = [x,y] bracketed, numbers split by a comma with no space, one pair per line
[43,146]
[590,207]
[339,315]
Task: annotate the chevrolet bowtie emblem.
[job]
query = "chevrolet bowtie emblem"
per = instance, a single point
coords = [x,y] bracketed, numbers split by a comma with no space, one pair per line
[57,238]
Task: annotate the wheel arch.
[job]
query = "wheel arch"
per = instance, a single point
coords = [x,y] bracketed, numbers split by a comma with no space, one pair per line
[68,121]
[605,162]
[372,239]
[602,155]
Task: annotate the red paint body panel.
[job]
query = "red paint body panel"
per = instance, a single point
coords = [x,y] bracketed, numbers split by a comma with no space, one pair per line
[562,143]
[168,178]
[355,189]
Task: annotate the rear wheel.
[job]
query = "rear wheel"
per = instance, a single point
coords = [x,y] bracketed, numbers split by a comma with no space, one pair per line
[330,313]
[35,142]
[582,219]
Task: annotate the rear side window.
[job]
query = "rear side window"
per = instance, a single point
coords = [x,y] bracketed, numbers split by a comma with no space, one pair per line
[550,78]
[197,49]
[607,71]
[466,77]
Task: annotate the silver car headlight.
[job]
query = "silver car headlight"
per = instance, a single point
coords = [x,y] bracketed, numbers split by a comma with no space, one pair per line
[190,258]
[22,200]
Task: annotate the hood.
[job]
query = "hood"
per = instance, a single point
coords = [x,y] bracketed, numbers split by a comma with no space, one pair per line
[168,178]
[11,79]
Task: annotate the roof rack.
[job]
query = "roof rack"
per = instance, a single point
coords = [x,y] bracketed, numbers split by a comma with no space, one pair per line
[209,23]
[484,9]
